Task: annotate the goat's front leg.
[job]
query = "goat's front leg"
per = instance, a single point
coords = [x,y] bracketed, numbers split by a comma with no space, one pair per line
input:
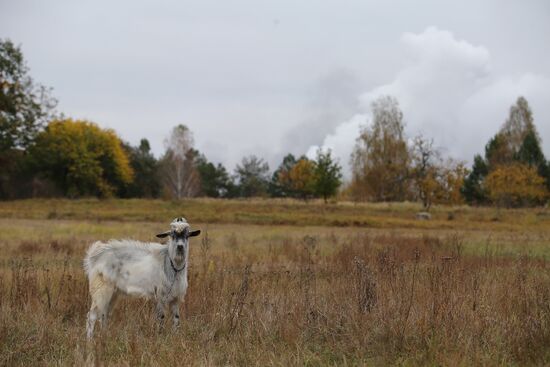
[175,310]
[160,314]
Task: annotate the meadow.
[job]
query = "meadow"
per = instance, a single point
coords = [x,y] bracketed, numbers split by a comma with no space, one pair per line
[282,282]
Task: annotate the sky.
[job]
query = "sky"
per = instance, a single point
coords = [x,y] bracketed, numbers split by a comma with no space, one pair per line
[276,77]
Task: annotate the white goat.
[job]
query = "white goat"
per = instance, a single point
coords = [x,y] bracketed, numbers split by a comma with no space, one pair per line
[149,270]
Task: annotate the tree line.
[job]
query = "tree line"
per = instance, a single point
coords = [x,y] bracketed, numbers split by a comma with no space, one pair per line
[43,153]
[388,166]
[75,158]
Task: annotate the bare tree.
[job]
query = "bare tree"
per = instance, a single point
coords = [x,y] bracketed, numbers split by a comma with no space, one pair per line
[180,174]
[427,168]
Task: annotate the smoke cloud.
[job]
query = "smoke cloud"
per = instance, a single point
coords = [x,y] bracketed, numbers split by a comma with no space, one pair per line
[448,92]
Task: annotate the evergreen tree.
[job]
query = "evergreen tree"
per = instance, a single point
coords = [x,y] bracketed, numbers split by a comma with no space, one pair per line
[277,186]
[472,189]
[252,177]
[497,152]
[530,151]
[328,175]
[146,181]
[531,154]
[214,179]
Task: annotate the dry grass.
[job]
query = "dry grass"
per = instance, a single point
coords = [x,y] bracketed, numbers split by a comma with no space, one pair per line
[279,212]
[288,295]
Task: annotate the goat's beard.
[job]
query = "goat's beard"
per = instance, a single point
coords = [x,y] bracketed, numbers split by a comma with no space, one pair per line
[180,255]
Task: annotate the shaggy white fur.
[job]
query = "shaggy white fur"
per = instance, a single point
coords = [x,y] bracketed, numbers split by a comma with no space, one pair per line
[149,270]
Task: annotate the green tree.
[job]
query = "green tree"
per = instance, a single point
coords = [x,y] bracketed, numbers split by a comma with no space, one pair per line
[214,179]
[24,108]
[81,158]
[278,187]
[497,152]
[24,105]
[530,151]
[328,175]
[146,181]
[252,177]
[531,154]
[472,189]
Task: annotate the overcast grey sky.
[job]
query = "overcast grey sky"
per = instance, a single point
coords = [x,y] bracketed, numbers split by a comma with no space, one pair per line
[271,77]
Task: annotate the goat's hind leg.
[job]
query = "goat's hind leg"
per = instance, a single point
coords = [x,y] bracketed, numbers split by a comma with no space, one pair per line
[102,293]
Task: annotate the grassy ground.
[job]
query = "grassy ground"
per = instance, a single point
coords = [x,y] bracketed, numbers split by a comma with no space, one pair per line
[279,212]
[286,283]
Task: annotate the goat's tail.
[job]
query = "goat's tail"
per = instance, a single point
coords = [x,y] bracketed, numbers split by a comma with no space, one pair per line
[92,254]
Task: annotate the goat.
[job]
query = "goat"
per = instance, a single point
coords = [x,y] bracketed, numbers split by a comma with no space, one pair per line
[149,270]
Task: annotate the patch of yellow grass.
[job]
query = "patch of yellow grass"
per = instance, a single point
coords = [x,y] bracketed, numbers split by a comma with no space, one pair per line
[468,291]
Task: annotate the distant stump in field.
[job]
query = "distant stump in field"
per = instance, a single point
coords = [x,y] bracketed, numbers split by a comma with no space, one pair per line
[423,216]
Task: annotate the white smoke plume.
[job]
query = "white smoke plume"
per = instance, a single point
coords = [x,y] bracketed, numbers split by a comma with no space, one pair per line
[448,92]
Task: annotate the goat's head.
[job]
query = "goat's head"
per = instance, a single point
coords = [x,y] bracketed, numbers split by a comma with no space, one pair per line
[178,244]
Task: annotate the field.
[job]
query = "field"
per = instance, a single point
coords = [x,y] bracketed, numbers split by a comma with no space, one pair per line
[276,282]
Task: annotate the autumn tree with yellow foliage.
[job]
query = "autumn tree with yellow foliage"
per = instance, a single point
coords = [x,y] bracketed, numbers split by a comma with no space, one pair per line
[300,178]
[433,179]
[381,158]
[81,158]
[515,185]
[514,171]
[452,180]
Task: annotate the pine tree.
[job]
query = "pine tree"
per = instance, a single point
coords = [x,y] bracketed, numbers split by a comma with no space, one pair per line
[146,181]
[473,190]
[328,175]
[531,154]
[214,179]
[252,177]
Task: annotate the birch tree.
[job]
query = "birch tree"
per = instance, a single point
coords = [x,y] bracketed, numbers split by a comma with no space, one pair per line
[180,174]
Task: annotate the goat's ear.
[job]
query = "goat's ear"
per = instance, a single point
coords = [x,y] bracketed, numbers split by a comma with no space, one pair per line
[194,233]
[162,235]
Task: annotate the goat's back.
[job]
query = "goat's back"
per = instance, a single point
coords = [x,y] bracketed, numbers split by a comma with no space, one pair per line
[120,251]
